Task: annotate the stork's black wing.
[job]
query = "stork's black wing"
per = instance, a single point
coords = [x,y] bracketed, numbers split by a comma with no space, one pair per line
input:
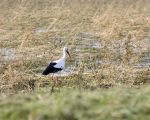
[51,69]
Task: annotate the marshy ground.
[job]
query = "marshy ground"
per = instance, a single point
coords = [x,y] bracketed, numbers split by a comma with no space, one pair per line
[108,76]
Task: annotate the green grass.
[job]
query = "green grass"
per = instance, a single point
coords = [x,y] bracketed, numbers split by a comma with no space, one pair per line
[121,103]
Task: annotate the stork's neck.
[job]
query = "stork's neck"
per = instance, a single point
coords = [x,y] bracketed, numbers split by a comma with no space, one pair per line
[64,54]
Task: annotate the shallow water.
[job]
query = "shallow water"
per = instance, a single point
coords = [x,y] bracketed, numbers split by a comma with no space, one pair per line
[144,60]
[40,30]
[6,55]
[66,72]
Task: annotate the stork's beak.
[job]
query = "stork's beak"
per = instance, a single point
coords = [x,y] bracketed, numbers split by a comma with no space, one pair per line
[68,54]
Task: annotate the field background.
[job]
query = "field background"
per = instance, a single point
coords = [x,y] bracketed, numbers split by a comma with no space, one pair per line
[107,77]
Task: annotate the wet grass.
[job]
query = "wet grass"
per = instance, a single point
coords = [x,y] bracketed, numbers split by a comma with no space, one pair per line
[109,71]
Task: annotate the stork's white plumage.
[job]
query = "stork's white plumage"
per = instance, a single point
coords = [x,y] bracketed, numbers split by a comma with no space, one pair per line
[57,65]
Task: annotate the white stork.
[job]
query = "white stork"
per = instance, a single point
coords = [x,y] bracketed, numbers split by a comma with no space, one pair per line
[57,65]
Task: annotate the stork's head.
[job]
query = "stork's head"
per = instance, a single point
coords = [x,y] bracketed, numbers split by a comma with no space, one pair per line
[66,51]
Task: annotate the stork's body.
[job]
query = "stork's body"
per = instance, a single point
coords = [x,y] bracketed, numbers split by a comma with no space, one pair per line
[57,65]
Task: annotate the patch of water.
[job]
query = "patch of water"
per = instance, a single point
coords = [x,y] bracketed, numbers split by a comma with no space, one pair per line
[44,30]
[144,60]
[66,72]
[96,45]
[142,65]
[7,54]
[40,30]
